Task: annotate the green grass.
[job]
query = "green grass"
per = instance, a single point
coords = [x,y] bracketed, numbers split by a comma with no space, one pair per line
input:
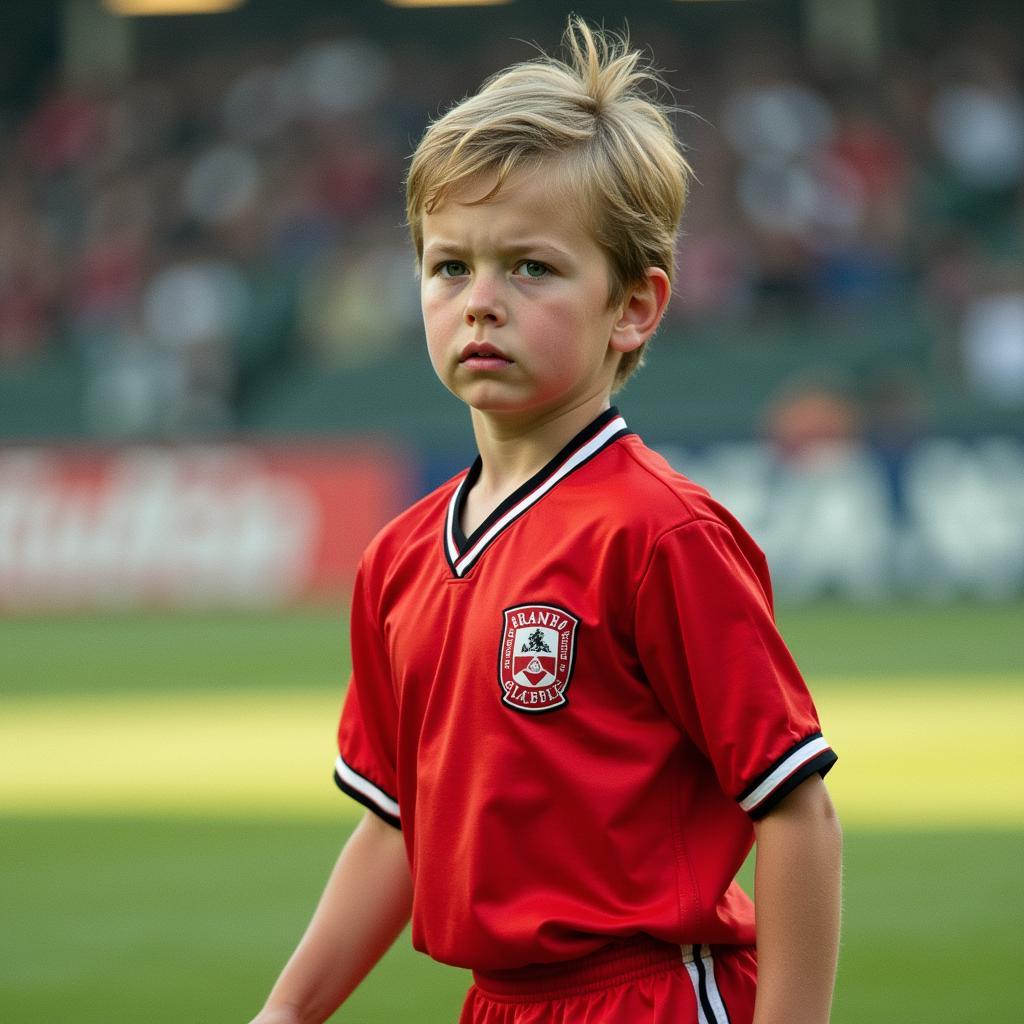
[837,639]
[142,652]
[170,920]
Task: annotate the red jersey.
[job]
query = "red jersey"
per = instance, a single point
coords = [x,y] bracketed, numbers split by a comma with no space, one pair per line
[575,713]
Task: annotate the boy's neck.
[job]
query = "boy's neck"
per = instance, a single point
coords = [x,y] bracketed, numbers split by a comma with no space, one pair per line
[511,451]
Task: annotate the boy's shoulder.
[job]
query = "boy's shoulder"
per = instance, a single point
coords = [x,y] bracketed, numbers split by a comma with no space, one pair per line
[659,508]
[646,490]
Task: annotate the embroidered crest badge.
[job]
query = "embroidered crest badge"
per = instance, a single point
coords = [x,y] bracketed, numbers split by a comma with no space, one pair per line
[538,649]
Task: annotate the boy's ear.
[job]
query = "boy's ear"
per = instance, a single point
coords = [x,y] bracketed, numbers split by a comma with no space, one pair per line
[641,311]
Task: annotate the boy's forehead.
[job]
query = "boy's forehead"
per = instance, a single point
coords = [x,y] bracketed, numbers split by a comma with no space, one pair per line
[533,199]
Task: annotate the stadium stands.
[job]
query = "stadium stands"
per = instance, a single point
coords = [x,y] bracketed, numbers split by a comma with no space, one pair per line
[214,243]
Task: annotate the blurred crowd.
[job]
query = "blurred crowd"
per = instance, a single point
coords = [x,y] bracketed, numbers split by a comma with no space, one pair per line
[191,231]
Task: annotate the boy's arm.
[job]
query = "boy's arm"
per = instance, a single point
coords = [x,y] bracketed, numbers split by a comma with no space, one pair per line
[366,903]
[797,884]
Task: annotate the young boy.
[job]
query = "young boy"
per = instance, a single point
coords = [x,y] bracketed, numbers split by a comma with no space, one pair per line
[570,711]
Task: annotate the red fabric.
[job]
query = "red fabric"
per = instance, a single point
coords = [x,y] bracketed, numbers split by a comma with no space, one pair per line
[539,837]
[640,983]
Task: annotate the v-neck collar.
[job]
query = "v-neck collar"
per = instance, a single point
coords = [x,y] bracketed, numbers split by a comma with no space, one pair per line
[462,552]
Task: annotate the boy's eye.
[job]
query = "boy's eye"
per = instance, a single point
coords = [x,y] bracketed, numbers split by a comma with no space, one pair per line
[452,268]
[531,268]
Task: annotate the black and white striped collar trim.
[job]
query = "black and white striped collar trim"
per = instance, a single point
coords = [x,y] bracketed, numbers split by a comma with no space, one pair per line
[462,552]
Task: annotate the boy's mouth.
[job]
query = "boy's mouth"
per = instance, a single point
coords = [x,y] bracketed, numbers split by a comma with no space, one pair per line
[483,356]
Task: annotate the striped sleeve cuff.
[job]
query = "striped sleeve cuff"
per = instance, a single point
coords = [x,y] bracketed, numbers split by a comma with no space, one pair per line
[368,793]
[810,756]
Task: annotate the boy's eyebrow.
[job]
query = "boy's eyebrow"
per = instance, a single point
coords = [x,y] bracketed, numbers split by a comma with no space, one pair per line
[524,247]
[539,247]
[442,248]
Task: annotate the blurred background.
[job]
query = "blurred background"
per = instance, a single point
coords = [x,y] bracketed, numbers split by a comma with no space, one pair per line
[213,391]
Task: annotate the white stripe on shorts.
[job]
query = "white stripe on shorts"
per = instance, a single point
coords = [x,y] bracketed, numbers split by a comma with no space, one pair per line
[700,965]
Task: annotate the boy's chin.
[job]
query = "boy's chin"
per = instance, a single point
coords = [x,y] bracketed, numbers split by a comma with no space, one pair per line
[492,398]
[506,411]
[499,410]
[509,404]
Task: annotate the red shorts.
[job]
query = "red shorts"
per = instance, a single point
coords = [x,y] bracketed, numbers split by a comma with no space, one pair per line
[630,981]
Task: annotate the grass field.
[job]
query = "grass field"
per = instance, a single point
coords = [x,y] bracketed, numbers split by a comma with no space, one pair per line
[168,819]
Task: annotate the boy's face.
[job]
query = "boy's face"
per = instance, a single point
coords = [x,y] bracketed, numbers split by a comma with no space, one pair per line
[515,300]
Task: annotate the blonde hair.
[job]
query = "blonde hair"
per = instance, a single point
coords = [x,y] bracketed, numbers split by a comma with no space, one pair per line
[597,115]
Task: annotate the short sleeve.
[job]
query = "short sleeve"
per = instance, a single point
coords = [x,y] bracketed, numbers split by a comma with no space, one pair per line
[367,733]
[708,643]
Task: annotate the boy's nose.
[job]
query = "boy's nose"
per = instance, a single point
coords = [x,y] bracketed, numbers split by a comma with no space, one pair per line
[481,316]
[483,305]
